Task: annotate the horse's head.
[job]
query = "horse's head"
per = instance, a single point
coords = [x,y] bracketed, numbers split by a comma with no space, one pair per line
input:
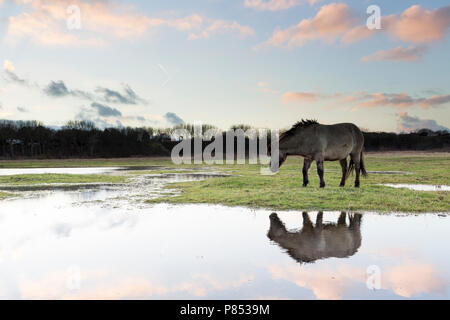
[274,165]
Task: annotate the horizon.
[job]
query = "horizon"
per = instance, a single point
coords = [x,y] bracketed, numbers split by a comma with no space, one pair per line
[161,129]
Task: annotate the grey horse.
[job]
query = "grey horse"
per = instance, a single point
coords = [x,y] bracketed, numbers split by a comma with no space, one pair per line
[321,241]
[318,142]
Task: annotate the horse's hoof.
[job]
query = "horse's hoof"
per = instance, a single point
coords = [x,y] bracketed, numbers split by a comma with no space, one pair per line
[357,185]
[322,185]
[342,185]
[305,185]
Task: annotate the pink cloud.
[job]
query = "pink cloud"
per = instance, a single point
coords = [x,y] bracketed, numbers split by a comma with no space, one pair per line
[276,5]
[397,54]
[406,280]
[418,25]
[364,99]
[44,22]
[336,21]
[401,100]
[300,97]
[414,279]
[221,26]
[356,34]
[330,22]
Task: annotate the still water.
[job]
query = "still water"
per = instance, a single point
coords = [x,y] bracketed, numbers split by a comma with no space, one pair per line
[107,243]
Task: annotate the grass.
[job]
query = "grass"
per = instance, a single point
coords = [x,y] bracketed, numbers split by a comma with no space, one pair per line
[283,191]
[37,179]
[81,163]
[4,195]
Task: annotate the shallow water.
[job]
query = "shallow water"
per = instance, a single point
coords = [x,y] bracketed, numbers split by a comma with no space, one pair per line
[106,242]
[419,187]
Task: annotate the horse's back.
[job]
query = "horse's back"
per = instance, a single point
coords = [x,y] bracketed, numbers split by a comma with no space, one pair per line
[342,138]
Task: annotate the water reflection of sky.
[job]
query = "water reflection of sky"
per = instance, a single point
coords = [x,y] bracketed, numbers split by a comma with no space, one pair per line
[54,246]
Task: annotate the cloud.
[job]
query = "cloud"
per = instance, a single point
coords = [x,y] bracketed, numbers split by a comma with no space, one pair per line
[276,5]
[400,100]
[266,89]
[332,21]
[299,96]
[336,21]
[222,26]
[406,280]
[8,66]
[173,118]
[415,279]
[411,53]
[271,5]
[418,25]
[128,96]
[22,110]
[106,111]
[45,23]
[11,76]
[59,89]
[407,123]
[364,99]
[92,116]
[113,96]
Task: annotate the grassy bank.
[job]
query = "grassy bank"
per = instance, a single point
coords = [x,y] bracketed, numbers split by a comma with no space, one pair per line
[81,163]
[4,195]
[37,179]
[283,191]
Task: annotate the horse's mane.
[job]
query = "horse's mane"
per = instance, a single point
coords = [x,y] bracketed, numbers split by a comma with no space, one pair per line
[301,124]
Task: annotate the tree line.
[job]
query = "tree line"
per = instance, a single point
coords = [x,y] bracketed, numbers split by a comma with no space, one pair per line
[82,139]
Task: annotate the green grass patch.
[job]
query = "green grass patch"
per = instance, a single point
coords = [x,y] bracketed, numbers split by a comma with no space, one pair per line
[36,179]
[4,195]
[82,163]
[284,190]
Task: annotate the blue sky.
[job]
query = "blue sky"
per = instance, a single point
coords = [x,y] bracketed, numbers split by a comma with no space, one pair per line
[264,63]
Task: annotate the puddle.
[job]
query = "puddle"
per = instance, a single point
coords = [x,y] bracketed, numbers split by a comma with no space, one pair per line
[419,187]
[390,172]
[103,241]
[107,243]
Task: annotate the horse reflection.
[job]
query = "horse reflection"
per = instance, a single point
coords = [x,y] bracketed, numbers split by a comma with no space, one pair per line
[321,241]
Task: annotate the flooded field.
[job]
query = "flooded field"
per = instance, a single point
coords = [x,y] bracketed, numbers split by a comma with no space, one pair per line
[105,241]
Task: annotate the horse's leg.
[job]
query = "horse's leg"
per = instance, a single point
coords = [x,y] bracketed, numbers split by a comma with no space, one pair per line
[344,171]
[319,220]
[342,219]
[320,170]
[306,165]
[307,223]
[357,160]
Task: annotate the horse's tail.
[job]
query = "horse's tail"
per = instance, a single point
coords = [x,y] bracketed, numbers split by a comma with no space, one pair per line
[351,166]
[363,165]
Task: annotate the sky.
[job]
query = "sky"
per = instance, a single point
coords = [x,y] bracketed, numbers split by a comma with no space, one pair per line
[266,63]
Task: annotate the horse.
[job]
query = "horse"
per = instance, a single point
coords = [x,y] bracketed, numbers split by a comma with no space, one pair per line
[319,143]
[321,241]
